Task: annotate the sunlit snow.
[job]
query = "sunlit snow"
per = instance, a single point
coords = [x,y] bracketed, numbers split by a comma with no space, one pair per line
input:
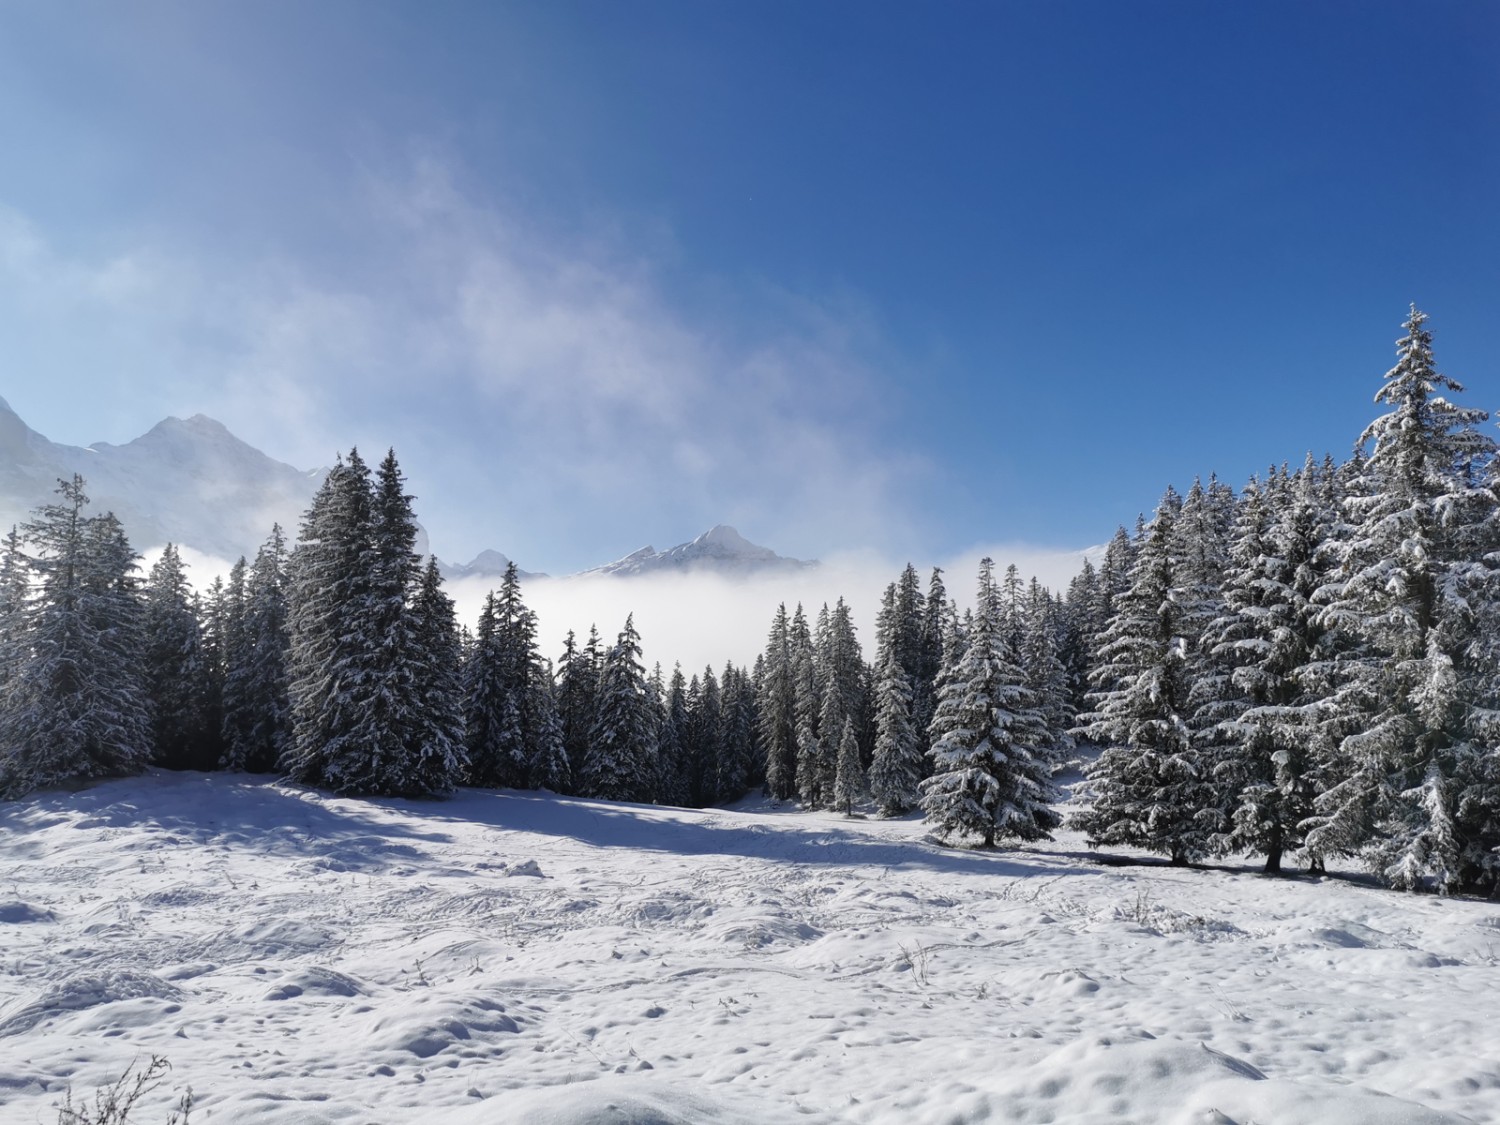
[522,958]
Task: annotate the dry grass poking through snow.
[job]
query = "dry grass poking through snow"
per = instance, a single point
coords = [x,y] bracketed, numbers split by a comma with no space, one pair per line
[524,959]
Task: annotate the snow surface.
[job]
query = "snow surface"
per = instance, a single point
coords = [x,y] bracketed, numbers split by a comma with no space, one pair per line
[522,958]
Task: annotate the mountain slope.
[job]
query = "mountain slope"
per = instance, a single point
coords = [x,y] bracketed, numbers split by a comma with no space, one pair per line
[186,481]
[721,549]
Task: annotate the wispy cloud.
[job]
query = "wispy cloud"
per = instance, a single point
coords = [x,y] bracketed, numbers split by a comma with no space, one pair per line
[547,393]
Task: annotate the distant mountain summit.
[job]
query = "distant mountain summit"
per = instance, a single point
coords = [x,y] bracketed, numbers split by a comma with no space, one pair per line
[187,481]
[486,564]
[720,549]
[191,482]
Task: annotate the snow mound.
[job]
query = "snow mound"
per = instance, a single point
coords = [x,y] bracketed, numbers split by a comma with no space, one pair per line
[89,990]
[315,981]
[16,913]
[1105,1078]
[529,867]
[611,1101]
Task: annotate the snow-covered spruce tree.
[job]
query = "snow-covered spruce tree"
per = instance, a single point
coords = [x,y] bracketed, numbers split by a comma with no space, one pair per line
[435,749]
[1416,516]
[705,738]
[1043,672]
[492,711]
[621,754]
[550,769]
[15,591]
[257,722]
[807,706]
[776,697]
[739,750]
[991,776]
[938,616]
[354,685]
[673,766]
[1149,786]
[1258,721]
[849,782]
[577,688]
[176,679]
[75,706]
[896,769]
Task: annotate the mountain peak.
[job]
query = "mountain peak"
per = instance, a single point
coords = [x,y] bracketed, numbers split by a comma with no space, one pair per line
[720,549]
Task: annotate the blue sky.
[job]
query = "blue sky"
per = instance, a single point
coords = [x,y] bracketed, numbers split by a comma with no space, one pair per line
[906,278]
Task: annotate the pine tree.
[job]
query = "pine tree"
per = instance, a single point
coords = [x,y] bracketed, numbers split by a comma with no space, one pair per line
[176,679]
[492,711]
[257,721]
[550,768]
[621,754]
[849,783]
[1415,514]
[991,775]
[776,696]
[577,689]
[896,769]
[75,706]
[435,747]
[1149,785]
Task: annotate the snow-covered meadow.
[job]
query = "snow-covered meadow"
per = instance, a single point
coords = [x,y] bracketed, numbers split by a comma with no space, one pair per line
[517,958]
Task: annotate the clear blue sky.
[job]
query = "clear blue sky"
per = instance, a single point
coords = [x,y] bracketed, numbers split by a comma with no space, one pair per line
[907,277]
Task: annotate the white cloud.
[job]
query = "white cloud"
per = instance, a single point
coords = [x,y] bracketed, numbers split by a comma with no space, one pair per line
[547,396]
[703,618]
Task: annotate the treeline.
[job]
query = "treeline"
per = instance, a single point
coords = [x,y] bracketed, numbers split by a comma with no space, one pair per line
[1308,668]
[338,663]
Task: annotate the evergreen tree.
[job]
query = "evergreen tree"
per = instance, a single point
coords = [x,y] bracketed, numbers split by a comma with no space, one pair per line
[492,712]
[550,768]
[621,754]
[1148,786]
[776,695]
[577,687]
[991,775]
[1416,514]
[896,769]
[849,783]
[176,679]
[256,698]
[436,749]
[75,705]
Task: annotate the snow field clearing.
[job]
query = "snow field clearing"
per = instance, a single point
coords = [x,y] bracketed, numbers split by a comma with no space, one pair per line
[521,958]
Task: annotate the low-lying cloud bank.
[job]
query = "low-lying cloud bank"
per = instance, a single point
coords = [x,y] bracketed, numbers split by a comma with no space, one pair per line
[701,618]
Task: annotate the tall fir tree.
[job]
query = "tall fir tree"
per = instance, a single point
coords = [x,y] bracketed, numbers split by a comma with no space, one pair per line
[1149,785]
[1415,516]
[621,755]
[75,705]
[992,774]
[175,674]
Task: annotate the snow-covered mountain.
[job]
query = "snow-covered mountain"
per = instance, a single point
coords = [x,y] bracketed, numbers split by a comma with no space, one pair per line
[193,483]
[486,564]
[186,481]
[721,549]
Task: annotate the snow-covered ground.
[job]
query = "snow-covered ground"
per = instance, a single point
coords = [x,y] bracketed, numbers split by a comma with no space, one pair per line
[515,958]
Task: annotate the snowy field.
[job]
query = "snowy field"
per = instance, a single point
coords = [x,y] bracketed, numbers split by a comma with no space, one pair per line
[514,958]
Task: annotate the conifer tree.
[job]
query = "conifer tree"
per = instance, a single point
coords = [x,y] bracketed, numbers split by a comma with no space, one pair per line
[621,755]
[849,783]
[436,750]
[256,699]
[75,706]
[776,697]
[896,768]
[1415,515]
[1148,786]
[176,679]
[991,776]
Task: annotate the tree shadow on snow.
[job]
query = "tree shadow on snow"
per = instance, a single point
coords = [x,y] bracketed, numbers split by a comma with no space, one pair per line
[708,832]
[234,812]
